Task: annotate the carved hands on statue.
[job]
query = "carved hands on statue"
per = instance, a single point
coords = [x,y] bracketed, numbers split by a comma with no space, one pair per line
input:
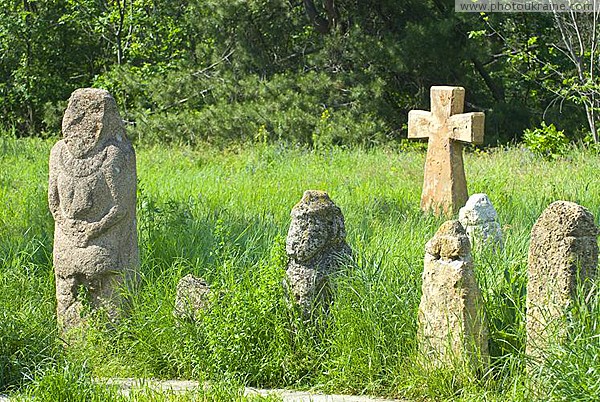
[77,230]
[115,214]
[81,232]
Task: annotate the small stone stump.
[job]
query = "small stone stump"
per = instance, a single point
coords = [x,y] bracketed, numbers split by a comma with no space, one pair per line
[316,247]
[563,253]
[92,197]
[446,127]
[480,220]
[192,298]
[452,328]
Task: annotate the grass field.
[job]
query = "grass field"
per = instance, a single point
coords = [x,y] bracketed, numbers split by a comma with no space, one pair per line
[224,215]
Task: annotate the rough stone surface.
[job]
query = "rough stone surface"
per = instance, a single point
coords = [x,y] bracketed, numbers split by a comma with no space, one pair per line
[191,298]
[444,185]
[563,251]
[316,246]
[92,197]
[480,220]
[452,328]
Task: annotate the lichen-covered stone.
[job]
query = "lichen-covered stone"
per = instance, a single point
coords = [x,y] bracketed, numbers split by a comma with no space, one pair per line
[316,247]
[452,329]
[92,197]
[563,253]
[192,297]
[480,220]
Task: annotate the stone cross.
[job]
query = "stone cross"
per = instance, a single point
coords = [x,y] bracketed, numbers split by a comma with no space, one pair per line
[445,186]
[452,329]
[92,197]
[563,254]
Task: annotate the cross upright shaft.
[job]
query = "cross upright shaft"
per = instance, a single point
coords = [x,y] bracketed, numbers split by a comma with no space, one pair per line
[446,127]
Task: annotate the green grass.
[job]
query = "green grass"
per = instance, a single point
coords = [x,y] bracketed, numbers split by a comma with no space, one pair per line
[224,215]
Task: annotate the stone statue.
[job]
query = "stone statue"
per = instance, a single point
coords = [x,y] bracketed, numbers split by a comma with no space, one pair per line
[92,197]
[317,249]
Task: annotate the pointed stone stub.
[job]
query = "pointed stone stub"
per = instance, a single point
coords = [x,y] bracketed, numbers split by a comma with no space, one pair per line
[450,242]
[316,247]
[452,329]
[563,253]
[480,220]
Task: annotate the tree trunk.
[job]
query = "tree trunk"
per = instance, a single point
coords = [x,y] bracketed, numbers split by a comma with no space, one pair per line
[496,90]
[322,24]
[591,118]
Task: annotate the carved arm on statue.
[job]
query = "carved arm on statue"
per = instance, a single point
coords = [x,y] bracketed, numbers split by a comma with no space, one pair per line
[82,231]
[113,216]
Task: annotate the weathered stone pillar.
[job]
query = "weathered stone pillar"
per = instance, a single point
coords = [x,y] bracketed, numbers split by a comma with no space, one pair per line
[452,327]
[316,247]
[480,220]
[563,253]
[92,197]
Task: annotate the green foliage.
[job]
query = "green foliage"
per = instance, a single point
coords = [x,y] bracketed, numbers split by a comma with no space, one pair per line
[72,382]
[223,215]
[202,71]
[570,369]
[546,141]
[28,336]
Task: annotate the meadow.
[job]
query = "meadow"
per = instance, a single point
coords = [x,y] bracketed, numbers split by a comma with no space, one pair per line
[224,214]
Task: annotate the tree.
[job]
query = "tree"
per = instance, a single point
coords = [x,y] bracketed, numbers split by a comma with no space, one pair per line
[579,43]
[559,52]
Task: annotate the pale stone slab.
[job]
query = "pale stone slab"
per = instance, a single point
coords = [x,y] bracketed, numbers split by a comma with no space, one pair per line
[452,329]
[480,220]
[445,185]
[92,197]
[316,247]
[126,385]
[563,253]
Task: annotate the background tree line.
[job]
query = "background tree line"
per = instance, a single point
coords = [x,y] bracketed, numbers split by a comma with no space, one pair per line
[301,71]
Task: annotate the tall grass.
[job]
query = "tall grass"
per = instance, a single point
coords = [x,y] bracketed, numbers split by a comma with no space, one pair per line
[223,215]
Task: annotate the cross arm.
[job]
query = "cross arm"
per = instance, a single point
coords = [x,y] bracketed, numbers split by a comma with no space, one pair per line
[467,127]
[419,122]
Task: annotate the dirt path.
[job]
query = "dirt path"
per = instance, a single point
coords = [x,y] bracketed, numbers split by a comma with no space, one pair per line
[127,384]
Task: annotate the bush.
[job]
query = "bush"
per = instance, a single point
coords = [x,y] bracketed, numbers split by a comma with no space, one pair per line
[546,141]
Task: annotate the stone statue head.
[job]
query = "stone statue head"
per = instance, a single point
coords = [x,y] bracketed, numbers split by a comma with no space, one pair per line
[90,120]
[316,223]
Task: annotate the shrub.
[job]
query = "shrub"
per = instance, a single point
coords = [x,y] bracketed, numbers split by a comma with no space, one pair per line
[546,141]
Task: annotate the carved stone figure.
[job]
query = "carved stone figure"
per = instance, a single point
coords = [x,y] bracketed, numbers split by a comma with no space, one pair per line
[316,247]
[92,197]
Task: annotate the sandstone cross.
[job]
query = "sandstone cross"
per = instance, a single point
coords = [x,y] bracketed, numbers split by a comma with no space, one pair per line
[445,186]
